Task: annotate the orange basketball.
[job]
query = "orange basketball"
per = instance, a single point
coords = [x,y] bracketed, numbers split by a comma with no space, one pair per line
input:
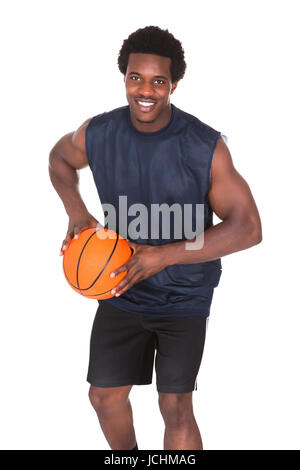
[89,260]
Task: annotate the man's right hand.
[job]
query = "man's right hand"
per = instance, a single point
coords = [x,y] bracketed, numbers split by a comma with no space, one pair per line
[78,222]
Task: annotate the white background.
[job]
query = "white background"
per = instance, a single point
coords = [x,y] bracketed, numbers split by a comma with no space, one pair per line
[59,67]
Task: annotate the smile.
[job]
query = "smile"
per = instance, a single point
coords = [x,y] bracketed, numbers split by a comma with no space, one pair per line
[145,106]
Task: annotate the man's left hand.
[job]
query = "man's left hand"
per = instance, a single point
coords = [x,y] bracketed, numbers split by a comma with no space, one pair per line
[145,261]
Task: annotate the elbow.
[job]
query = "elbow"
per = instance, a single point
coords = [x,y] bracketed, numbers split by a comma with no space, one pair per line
[257,238]
[255,233]
[249,232]
[52,158]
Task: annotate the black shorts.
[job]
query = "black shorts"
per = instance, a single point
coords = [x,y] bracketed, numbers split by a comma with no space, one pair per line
[123,344]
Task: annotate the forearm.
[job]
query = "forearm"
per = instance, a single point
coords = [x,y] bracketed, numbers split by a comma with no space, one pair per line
[220,240]
[65,180]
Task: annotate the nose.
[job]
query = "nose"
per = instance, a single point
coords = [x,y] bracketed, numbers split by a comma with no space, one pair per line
[146,89]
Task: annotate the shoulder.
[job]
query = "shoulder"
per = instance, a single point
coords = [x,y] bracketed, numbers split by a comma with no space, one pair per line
[78,136]
[222,163]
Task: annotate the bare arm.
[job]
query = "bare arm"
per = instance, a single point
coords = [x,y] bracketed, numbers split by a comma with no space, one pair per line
[67,157]
[231,199]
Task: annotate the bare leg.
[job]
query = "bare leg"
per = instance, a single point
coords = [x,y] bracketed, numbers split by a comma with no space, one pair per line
[114,412]
[181,431]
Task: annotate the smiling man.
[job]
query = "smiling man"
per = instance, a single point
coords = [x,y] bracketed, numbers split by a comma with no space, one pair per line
[156,155]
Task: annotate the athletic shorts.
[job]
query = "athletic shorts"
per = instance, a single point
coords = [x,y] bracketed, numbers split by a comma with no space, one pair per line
[123,345]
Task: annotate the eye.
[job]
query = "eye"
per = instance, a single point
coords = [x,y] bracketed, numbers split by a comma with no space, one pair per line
[157,80]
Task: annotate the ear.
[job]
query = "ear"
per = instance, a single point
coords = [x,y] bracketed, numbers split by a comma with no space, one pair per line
[174,86]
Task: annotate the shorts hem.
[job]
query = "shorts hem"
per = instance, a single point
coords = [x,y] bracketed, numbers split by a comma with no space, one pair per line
[119,383]
[166,389]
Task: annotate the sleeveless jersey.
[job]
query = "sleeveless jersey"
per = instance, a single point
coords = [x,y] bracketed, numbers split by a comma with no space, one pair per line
[169,166]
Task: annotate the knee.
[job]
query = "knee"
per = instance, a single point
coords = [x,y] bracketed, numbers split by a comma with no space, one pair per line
[176,409]
[104,399]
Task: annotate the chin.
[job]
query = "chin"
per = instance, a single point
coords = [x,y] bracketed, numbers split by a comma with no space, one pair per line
[144,120]
[143,117]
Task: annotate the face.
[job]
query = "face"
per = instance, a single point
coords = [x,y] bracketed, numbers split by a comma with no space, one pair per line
[149,87]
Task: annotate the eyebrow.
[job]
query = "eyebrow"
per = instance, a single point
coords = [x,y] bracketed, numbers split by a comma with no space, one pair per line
[155,76]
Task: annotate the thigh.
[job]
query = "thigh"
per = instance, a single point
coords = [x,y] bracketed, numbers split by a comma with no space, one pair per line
[180,344]
[121,351]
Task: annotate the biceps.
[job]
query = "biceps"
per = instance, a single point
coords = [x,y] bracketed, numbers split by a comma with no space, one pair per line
[230,196]
[70,153]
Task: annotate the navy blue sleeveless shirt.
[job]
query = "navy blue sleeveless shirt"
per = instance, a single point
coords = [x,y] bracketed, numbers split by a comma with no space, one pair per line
[169,166]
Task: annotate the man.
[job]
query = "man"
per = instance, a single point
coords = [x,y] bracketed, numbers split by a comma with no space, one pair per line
[154,154]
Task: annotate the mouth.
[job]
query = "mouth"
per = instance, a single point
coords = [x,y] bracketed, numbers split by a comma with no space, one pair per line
[145,106]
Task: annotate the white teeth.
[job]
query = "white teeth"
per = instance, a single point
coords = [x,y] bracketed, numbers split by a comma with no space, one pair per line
[143,103]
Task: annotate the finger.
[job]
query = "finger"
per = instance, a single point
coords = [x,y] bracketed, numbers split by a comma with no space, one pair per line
[121,284]
[63,246]
[77,230]
[131,277]
[125,285]
[120,270]
[120,287]
[66,243]
[98,226]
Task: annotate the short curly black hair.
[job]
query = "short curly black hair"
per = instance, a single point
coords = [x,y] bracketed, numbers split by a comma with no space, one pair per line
[154,40]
